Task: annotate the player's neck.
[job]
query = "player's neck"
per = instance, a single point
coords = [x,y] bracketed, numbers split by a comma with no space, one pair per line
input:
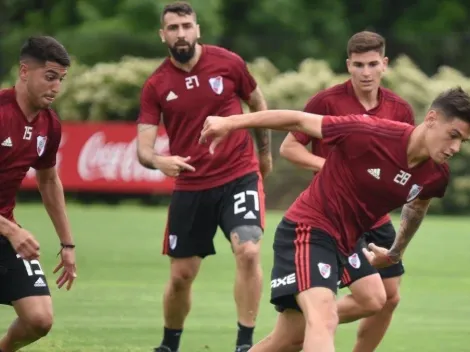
[191,63]
[368,100]
[24,103]
[416,151]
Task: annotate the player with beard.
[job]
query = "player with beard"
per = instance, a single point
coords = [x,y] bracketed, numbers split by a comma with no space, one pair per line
[30,134]
[322,227]
[194,82]
[374,293]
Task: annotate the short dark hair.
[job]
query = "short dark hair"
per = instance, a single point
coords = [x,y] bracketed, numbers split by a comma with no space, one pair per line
[453,103]
[181,8]
[44,48]
[365,41]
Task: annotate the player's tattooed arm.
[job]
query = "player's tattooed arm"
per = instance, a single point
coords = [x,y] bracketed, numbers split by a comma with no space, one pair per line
[146,137]
[262,135]
[412,216]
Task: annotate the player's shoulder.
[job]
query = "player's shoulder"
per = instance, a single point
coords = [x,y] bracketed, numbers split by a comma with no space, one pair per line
[391,96]
[443,170]
[323,98]
[160,72]
[333,92]
[223,54]
[7,96]
[52,118]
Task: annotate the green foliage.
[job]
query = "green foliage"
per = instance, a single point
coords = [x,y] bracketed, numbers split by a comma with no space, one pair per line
[111,91]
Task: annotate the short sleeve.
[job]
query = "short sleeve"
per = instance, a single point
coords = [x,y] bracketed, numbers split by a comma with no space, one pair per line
[440,185]
[351,128]
[49,158]
[150,111]
[245,82]
[316,105]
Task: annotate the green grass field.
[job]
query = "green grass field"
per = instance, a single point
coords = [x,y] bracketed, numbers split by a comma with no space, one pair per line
[116,302]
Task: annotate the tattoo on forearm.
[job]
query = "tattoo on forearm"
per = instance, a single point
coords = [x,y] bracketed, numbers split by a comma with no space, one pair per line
[411,219]
[263,140]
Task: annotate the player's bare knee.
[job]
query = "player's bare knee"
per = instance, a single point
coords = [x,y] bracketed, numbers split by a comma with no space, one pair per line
[392,302]
[246,243]
[183,273]
[374,303]
[39,322]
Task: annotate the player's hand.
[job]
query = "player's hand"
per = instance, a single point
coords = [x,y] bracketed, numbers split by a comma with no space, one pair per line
[69,272]
[216,128]
[378,257]
[24,244]
[172,166]
[265,164]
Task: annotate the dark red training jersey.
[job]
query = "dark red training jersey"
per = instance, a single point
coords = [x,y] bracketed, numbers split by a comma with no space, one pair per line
[341,100]
[365,176]
[215,86]
[23,145]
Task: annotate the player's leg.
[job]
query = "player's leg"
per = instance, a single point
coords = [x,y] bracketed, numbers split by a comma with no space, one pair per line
[305,275]
[372,329]
[287,335]
[242,220]
[188,239]
[24,286]
[367,295]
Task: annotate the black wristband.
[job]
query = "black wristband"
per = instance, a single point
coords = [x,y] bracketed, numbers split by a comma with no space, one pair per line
[67,245]
[63,245]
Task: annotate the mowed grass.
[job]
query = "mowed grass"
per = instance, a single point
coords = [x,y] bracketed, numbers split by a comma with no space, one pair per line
[116,303]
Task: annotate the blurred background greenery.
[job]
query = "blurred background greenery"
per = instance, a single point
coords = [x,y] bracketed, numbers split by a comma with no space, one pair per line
[294,48]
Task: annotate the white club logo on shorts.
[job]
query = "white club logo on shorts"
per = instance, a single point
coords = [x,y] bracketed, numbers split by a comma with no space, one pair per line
[173,241]
[355,261]
[325,270]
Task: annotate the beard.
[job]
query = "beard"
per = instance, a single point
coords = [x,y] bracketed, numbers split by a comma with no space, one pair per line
[183,54]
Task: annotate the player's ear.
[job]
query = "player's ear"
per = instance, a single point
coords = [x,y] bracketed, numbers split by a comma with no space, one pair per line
[348,65]
[162,37]
[23,71]
[385,62]
[430,119]
[198,31]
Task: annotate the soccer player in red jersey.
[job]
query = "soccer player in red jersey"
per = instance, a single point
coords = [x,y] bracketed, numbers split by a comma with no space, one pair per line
[361,94]
[30,134]
[194,82]
[322,227]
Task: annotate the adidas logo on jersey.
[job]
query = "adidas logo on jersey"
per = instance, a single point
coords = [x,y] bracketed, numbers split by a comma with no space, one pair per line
[375,173]
[171,96]
[39,283]
[7,142]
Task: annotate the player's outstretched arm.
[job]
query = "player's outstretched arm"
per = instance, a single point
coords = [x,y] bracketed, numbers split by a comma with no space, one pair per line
[412,216]
[294,151]
[283,120]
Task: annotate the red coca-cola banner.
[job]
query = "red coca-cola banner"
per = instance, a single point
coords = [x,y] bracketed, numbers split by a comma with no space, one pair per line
[102,157]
